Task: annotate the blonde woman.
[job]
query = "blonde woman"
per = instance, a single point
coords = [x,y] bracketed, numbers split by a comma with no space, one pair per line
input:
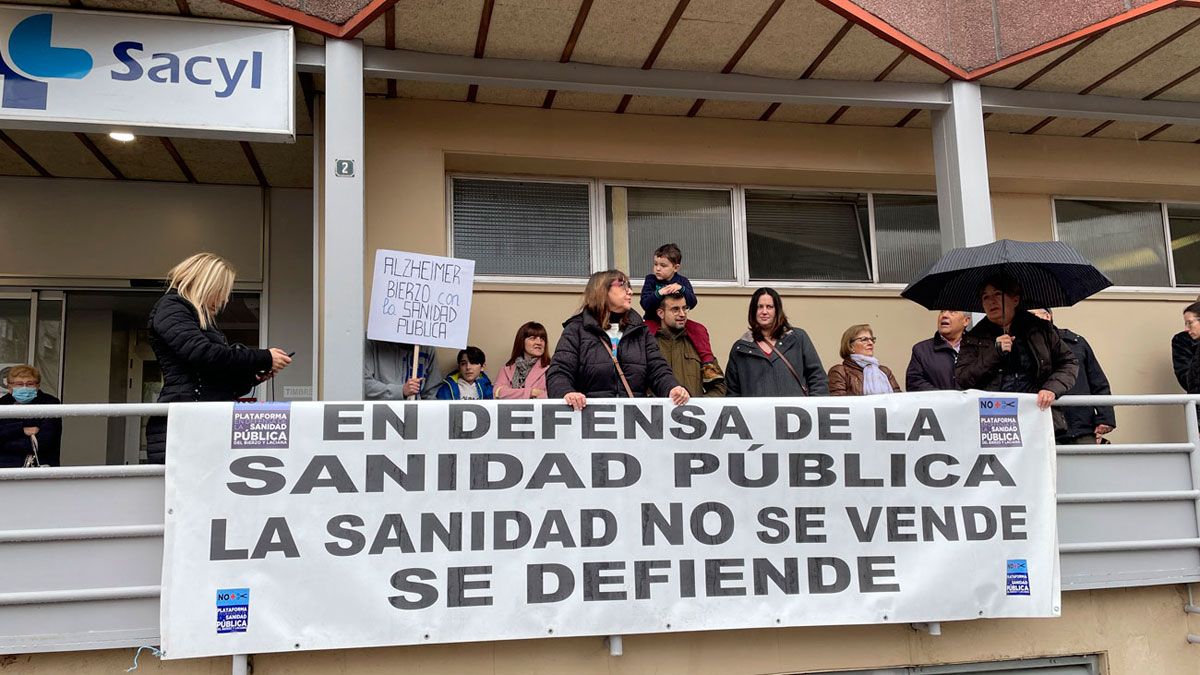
[606,352]
[197,362]
[860,372]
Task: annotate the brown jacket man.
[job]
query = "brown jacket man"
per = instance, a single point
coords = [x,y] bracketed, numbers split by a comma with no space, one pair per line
[679,351]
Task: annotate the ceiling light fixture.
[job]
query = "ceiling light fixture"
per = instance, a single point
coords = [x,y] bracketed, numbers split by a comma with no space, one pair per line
[122,136]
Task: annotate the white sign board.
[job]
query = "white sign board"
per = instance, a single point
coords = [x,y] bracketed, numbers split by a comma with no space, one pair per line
[421,299]
[342,525]
[106,71]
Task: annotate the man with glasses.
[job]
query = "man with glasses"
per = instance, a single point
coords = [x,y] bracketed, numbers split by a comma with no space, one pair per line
[681,353]
[1183,350]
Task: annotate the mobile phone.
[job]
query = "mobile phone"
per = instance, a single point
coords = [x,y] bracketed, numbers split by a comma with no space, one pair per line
[291,354]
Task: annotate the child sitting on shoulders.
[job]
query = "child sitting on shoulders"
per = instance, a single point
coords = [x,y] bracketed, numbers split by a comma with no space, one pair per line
[666,280]
[469,382]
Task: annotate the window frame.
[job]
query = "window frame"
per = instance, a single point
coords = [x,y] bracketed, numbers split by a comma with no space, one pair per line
[872,249]
[1163,205]
[603,185]
[598,228]
[517,178]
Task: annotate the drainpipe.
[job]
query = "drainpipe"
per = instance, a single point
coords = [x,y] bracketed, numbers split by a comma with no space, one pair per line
[1191,608]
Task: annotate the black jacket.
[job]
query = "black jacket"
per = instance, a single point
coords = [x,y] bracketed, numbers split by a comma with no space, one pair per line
[1091,379]
[197,364]
[1183,352]
[753,373]
[582,361]
[981,365]
[15,445]
[931,367]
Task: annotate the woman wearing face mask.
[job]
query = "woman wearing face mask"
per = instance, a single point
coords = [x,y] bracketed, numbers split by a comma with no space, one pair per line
[19,436]
[773,358]
[524,376]
[860,372]
[198,363]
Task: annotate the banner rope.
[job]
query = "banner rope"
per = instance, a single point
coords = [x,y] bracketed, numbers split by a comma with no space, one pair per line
[153,650]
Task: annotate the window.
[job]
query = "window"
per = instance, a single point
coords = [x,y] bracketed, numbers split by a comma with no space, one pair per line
[542,229]
[1185,243]
[799,236]
[812,236]
[1056,665]
[640,219]
[1123,239]
[522,228]
[907,236]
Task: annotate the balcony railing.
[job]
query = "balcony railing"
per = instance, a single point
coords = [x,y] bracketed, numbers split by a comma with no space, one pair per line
[84,544]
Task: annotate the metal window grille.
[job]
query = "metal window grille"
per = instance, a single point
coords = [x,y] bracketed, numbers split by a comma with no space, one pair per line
[522,228]
[1125,240]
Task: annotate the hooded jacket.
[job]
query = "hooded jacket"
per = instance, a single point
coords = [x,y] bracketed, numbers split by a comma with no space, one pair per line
[981,365]
[846,378]
[1082,421]
[449,389]
[583,363]
[753,373]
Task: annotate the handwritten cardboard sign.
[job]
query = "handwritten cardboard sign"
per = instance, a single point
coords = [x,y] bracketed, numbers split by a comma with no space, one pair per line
[421,299]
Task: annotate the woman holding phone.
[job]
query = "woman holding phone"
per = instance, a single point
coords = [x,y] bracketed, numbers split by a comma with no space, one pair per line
[197,361]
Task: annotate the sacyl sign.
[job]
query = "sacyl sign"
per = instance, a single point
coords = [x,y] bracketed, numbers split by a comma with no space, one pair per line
[66,69]
[166,68]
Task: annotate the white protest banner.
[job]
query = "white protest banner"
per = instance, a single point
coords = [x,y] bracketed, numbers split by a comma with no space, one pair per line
[342,525]
[105,71]
[421,299]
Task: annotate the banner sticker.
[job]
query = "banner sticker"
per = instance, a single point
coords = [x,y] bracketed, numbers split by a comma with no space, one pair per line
[998,426]
[261,425]
[1017,582]
[233,610]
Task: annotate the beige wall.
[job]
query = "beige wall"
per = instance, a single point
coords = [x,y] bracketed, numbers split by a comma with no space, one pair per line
[411,146]
[126,229]
[1137,631]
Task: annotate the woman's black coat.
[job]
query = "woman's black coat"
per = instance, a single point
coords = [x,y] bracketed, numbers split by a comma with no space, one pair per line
[15,445]
[198,364]
[583,363]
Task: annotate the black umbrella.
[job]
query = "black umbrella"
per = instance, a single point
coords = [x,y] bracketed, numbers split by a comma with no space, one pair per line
[1051,274]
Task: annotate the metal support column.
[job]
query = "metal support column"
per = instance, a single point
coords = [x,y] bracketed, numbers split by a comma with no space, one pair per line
[960,159]
[342,309]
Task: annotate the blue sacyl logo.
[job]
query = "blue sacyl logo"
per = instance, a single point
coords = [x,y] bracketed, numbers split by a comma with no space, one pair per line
[35,60]
[30,50]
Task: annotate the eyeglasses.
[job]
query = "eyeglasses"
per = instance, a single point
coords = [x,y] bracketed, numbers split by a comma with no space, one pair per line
[872,340]
[1187,323]
[617,283]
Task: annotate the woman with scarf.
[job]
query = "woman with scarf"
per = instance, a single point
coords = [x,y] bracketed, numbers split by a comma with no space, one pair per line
[524,376]
[859,372]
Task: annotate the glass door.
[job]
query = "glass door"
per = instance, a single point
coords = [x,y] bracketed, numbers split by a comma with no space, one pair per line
[31,332]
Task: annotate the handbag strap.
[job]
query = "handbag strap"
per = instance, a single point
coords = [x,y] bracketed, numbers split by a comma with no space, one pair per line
[32,460]
[612,354]
[792,370]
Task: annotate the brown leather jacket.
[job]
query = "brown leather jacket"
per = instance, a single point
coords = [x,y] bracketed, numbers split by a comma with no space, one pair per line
[846,379]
